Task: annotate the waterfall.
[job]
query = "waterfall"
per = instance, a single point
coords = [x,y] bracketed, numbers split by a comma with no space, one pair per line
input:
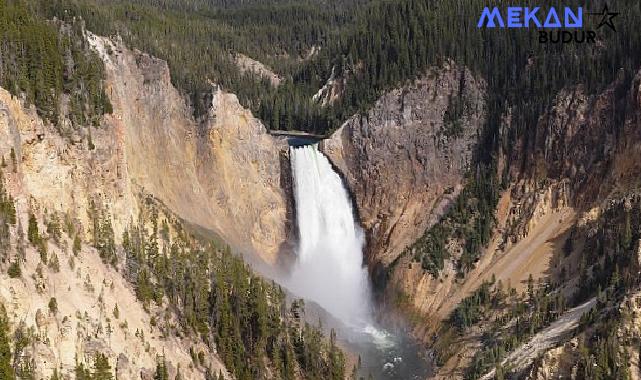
[329,268]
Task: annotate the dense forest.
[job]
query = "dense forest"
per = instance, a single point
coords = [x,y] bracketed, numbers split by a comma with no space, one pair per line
[374,46]
[50,65]
[256,331]
[199,42]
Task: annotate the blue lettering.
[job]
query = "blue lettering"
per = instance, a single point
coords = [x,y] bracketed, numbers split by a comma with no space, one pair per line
[530,16]
[514,17]
[524,17]
[549,23]
[490,17]
[576,18]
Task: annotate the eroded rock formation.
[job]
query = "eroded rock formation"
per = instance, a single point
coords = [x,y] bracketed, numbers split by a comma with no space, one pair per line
[222,173]
[403,161]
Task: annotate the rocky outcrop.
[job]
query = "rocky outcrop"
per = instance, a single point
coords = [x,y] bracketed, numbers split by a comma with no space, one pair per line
[241,168]
[577,155]
[249,65]
[64,175]
[403,163]
[582,138]
[593,143]
[332,90]
[222,173]
[405,159]
[580,163]
[53,174]
[95,311]
[545,340]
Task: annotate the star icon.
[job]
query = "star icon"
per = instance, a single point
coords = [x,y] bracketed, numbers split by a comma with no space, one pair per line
[606,17]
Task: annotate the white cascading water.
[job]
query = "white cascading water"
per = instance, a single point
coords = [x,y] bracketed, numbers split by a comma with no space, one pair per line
[329,269]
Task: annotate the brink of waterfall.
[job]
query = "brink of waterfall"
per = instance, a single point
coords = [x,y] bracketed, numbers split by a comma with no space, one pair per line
[329,268]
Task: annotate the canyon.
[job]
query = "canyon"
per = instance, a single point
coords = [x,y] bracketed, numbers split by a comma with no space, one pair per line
[402,163]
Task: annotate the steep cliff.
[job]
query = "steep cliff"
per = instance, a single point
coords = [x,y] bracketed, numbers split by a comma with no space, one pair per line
[569,218]
[593,144]
[222,173]
[63,306]
[405,162]
[64,175]
[405,159]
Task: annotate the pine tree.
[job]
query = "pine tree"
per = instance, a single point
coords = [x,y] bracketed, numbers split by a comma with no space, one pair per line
[14,162]
[76,244]
[81,372]
[90,143]
[6,370]
[161,371]
[55,375]
[102,370]
[627,232]
[14,270]
[144,287]
[21,252]
[178,374]
[32,231]
[53,305]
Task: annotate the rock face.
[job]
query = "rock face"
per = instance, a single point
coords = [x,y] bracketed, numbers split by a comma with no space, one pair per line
[55,174]
[222,173]
[247,64]
[84,322]
[241,167]
[557,148]
[403,163]
[331,91]
[62,175]
[403,160]
[575,173]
